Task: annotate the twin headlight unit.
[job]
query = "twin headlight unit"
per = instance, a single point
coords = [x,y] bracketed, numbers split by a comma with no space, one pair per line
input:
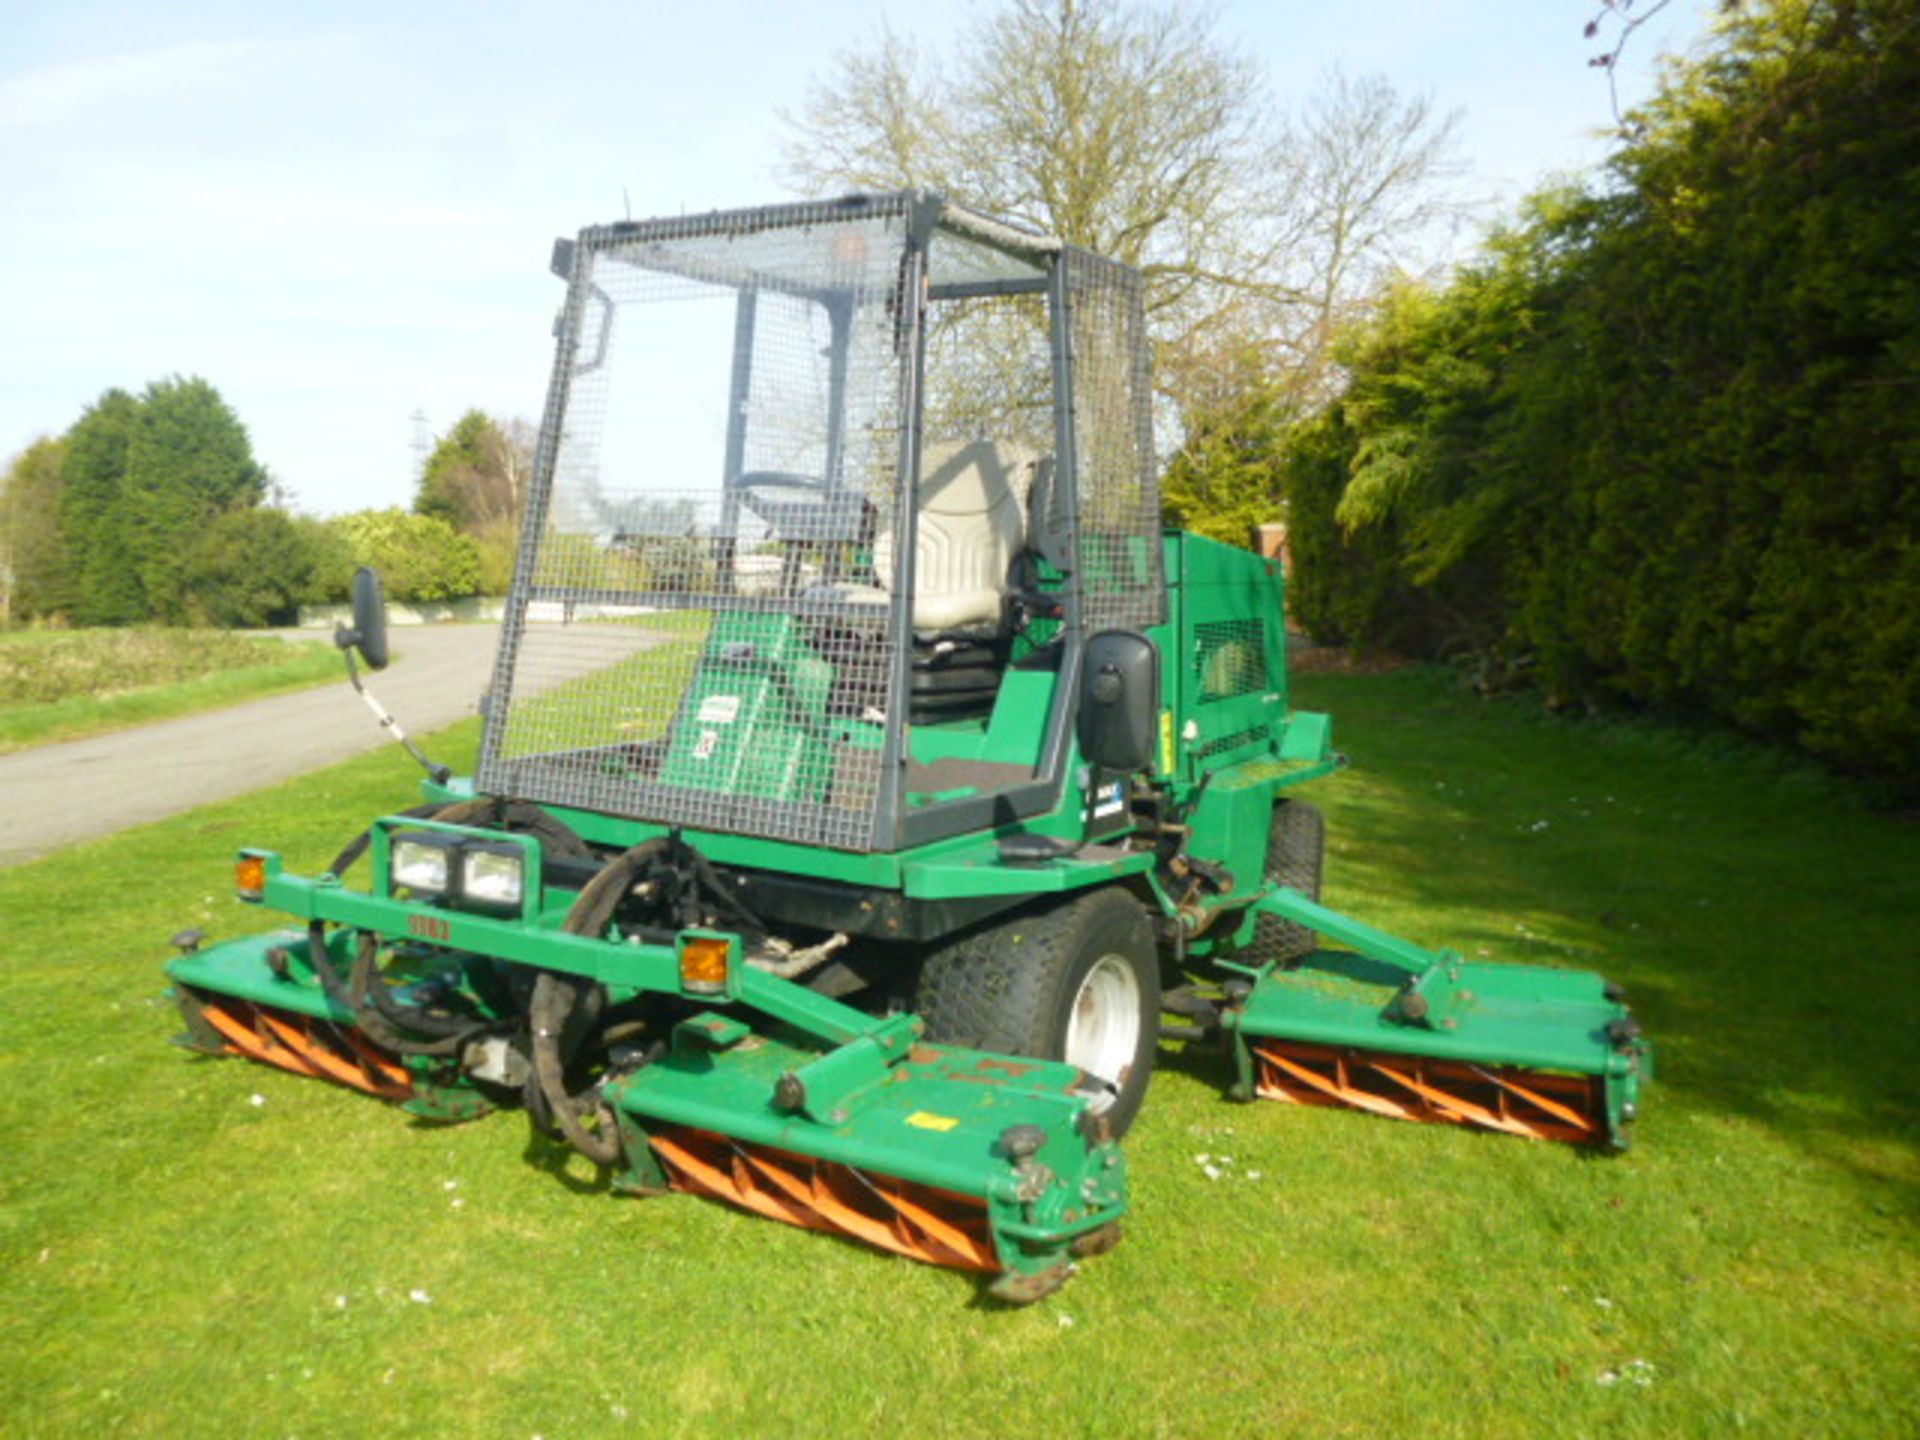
[458,870]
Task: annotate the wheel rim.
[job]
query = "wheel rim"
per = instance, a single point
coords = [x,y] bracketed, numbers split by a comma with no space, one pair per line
[1103,1024]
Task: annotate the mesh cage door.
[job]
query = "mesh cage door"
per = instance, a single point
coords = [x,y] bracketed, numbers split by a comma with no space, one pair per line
[696,634]
[1120,565]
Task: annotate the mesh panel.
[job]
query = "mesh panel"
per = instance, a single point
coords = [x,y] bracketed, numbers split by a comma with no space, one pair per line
[1230,658]
[960,259]
[1119,495]
[988,373]
[1255,735]
[695,636]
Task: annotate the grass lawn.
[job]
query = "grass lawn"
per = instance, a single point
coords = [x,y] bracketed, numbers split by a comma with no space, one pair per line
[202,1247]
[64,684]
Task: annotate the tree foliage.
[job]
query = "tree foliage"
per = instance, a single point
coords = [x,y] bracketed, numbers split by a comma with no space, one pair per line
[33,566]
[477,474]
[1224,481]
[1663,444]
[142,480]
[476,481]
[150,510]
[188,461]
[94,523]
[257,566]
[420,557]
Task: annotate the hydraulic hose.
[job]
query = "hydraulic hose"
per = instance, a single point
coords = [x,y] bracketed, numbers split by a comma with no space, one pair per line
[593,908]
[356,997]
[372,1018]
[385,1020]
[407,1017]
[724,897]
[556,998]
[554,1001]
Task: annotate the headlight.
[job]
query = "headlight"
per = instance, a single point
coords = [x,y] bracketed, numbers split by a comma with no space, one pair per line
[422,862]
[492,876]
[462,872]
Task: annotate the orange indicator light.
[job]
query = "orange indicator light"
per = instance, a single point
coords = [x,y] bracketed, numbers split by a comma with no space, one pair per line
[250,877]
[703,966]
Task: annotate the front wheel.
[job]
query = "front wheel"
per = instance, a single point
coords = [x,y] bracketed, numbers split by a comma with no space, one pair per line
[1078,982]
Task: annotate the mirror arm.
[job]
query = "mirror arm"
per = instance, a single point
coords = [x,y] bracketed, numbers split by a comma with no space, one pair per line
[438,773]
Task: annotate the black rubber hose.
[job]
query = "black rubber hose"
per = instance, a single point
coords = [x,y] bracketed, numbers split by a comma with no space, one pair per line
[357,846]
[330,980]
[553,1002]
[367,1015]
[557,837]
[368,999]
[414,1017]
[594,907]
[725,898]
[354,996]
[555,998]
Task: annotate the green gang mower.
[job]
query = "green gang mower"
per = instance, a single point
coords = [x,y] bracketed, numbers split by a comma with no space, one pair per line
[869,783]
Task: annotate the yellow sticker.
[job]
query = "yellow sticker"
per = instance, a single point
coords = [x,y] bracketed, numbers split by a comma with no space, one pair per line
[1166,742]
[927,1121]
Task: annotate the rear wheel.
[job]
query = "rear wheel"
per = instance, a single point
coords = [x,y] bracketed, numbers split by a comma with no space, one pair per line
[1297,859]
[1078,982]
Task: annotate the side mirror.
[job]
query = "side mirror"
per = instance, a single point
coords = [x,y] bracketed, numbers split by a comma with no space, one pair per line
[1119,701]
[369,632]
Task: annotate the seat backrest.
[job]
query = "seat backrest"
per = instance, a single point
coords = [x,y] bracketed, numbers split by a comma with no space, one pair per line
[972,523]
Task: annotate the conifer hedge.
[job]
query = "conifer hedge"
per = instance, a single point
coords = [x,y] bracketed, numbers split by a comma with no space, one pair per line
[1663,444]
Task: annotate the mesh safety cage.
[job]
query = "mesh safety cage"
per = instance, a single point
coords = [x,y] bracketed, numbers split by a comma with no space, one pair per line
[694,635]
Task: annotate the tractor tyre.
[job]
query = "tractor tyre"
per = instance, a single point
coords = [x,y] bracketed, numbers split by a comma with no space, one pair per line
[1077,981]
[1297,859]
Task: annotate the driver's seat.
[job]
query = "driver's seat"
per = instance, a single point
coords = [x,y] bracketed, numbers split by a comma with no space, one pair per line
[972,497]
[972,505]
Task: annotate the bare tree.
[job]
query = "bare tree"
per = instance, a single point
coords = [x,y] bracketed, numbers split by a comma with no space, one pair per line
[1138,132]
[1366,199]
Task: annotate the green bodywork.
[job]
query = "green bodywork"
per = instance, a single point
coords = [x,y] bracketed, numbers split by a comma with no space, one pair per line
[791,766]
[876,1097]
[1383,994]
[776,685]
[1230,748]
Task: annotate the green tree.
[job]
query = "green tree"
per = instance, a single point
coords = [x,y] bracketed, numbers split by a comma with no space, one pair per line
[1226,479]
[188,462]
[33,565]
[420,557]
[477,474]
[476,481]
[1660,444]
[143,479]
[94,522]
[498,545]
[258,566]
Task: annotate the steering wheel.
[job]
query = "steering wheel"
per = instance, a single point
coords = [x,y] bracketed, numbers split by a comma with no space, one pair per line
[779,480]
[807,510]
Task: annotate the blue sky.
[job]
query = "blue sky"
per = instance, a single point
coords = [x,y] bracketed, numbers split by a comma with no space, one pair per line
[339,213]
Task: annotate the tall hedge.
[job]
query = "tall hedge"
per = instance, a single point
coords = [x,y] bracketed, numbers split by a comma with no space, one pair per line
[1664,443]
